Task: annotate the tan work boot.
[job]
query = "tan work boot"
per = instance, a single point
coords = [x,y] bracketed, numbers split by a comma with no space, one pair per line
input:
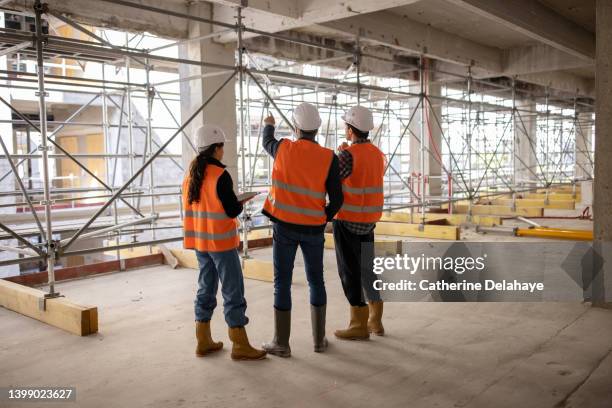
[206,345]
[358,327]
[375,325]
[241,349]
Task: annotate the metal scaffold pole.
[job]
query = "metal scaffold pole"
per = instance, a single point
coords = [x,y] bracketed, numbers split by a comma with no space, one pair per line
[243,148]
[422,138]
[149,153]
[468,140]
[357,62]
[107,146]
[39,9]
[514,143]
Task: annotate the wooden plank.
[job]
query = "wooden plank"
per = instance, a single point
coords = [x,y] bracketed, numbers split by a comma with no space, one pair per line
[186,258]
[562,190]
[453,219]
[450,232]
[251,268]
[552,204]
[501,210]
[389,245]
[260,233]
[168,257]
[258,269]
[329,241]
[131,252]
[59,312]
[553,196]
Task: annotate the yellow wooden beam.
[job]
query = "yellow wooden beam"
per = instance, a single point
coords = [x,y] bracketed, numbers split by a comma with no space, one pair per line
[417,231]
[168,257]
[131,252]
[258,269]
[260,233]
[251,268]
[501,210]
[561,189]
[186,258]
[329,241]
[551,204]
[59,312]
[553,196]
[387,245]
[453,219]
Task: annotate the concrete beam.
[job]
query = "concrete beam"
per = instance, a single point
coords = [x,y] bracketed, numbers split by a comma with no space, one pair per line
[390,63]
[562,81]
[400,33]
[539,58]
[602,211]
[561,84]
[103,14]
[280,15]
[537,21]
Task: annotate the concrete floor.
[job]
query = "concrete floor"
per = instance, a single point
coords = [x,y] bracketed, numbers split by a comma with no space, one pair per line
[435,354]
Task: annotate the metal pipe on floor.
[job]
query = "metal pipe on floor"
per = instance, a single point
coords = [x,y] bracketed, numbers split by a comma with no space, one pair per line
[556,233]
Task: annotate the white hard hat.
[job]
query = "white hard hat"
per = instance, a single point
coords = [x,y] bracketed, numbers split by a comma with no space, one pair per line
[306,117]
[207,135]
[359,117]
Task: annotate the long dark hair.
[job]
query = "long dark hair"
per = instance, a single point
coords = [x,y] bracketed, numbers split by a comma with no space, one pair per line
[197,169]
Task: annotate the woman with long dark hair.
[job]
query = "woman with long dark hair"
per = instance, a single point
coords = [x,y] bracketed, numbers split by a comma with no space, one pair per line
[210,227]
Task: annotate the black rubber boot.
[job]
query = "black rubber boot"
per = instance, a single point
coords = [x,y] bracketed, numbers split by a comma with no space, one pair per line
[279,346]
[317,318]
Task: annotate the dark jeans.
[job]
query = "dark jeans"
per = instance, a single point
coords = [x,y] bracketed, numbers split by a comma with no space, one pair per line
[284,248]
[225,267]
[355,257]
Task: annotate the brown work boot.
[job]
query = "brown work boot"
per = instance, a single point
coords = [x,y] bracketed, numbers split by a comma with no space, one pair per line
[358,327]
[206,345]
[375,325]
[241,349]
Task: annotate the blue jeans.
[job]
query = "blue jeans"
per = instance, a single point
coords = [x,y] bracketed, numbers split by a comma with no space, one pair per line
[225,267]
[284,248]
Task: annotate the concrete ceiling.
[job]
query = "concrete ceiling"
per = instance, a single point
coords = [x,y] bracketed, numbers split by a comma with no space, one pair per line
[545,42]
[459,21]
[581,12]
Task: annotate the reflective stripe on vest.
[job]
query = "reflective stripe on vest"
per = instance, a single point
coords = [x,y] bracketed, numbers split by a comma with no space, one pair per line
[206,226]
[206,235]
[366,209]
[294,209]
[298,189]
[203,214]
[298,192]
[363,188]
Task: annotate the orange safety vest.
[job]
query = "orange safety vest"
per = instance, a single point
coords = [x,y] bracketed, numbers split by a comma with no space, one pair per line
[297,195]
[206,227]
[363,188]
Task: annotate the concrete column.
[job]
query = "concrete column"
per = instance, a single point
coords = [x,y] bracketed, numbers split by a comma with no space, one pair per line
[584,146]
[602,284]
[433,168]
[525,135]
[222,110]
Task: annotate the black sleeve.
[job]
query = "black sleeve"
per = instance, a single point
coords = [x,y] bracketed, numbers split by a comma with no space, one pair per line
[225,192]
[333,185]
[270,144]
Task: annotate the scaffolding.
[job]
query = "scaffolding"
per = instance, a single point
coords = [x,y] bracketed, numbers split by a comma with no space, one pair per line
[469,131]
